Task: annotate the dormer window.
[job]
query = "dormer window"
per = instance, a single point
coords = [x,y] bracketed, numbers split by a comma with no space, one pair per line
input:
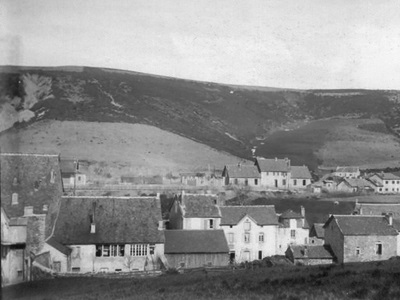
[14,199]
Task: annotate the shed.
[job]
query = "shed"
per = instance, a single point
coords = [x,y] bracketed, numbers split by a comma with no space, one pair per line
[310,255]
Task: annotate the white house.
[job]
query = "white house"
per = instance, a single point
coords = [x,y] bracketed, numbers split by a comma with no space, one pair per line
[242,175]
[300,177]
[386,183]
[275,173]
[347,172]
[250,231]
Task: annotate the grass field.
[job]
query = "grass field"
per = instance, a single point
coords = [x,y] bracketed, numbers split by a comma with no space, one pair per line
[375,280]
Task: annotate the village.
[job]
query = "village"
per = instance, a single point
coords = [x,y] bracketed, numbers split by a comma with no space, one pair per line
[56,220]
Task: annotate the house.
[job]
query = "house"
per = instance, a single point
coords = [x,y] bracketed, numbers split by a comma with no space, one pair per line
[250,231]
[360,184]
[345,187]
[72,172]
[13,248]
[241,174]
[275,173]
[110,234]
[357,238]
[347,172]
[293,230]
[194,211]
[195,248]
[310,254]
[386,183]
[31,190]
[300,177]
[317,233]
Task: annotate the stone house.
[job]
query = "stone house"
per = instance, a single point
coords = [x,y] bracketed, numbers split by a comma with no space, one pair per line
[300,177]
[355,238]
[31,190]
[195,248]
[347,172]
[250,231]
[293,230]
[360,184]
[72,172]
[317,234]
[275,173]
[242,175]
[386,183]
[194,211]
[310,254]
[110,234]
[13,247]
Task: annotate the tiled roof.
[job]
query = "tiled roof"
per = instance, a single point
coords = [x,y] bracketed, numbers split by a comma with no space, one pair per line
[362,225]
[359,182]
[300,172]
[313,252]
[261,214]
[117,220]
[318,230]
[195,241]
[242,171]
[347,169]
[60,247]
[387,176]
[29,176]
[68,166]
[273,165]
[200,206]
[290,214]
[378,209]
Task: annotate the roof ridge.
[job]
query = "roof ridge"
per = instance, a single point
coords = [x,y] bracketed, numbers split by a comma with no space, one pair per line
[109,197]
[28,154]
[236,206]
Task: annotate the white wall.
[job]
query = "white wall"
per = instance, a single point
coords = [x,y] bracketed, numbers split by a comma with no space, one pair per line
[268,179]
[56,256]
[200,223]
[284,238]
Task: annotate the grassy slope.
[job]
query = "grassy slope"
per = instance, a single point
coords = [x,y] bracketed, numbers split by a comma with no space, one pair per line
[375,280]
[143,149]
[228,118]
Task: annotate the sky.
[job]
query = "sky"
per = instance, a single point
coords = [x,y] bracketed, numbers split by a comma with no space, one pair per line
[319,44]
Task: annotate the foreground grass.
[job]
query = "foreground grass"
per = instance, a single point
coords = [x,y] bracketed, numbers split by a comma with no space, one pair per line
[377,280]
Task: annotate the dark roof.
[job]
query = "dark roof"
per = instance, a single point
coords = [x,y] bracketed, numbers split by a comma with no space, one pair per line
[261,214]
[242,171]
[387,176]
[301,172]
[347,169]
[313,252]
[359,182]
[200,206]
[195,241]
[273,165]
[68,166]
[117,220]
[60,247]
[362,225]
[290,214]
[396,224]
[378,209]
[29,176]
[317,230]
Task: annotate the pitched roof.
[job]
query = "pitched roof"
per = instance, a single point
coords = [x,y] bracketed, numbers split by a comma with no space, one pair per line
[261,214]
[359,182]
[362,225]
[195,241]
[200,206]
[242,171]
[300,172]
[387,176]
[60,247]
[290,214]
[318,230]
[378,209]
[68,165]
[347,169]
[273,165]
[117,220]
[29,176]
[313,252]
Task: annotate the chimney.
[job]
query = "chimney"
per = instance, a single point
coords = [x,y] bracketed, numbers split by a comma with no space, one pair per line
[389,218]
[161,225]
[158,196]
[92,228]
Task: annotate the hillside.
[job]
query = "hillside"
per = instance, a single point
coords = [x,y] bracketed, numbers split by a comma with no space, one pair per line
[233,119]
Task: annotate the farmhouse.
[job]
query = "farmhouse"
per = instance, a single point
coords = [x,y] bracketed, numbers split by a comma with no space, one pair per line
[241,174]
[196,248]
[310,255]
[192,211]
[355,238]
[317,234]
[300,177]
[250,231]
[386,183]
[347,172]
[31,190]
[275,173]
[360,184]
[110,234]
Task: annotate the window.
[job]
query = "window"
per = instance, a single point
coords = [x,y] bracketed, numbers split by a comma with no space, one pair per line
[386,189]
[152,249]
[255,181]
[247,225]
[304,182]
[378,248]
[380,189]
[14,199]
[76,270]
[246,182]
[393,182]
[283,181]
[106,250]
[231,237]
[138,250]
[293,234]
[260,254]
[387,182]
[211,223]
[182,264]
[247,237]
[261,237]
[110,250]
[236,181]
[358,251]
[294,181]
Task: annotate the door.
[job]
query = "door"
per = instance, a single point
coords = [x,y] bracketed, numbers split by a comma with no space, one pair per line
[276,182]
[232,257]
[57,266]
